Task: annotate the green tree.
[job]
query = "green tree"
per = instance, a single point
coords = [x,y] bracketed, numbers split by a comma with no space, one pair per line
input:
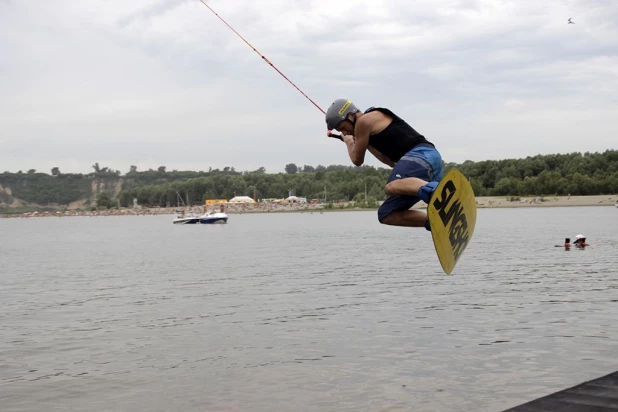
[104,200]
[477,187]
[377,192]
[506,186]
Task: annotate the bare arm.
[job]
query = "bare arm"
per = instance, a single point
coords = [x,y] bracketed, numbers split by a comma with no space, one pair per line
[380,156]
[358,144]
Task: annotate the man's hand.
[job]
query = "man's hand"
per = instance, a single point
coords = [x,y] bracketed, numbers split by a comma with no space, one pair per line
[346,138]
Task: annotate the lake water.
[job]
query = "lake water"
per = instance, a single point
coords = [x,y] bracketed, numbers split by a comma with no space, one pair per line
[302,312]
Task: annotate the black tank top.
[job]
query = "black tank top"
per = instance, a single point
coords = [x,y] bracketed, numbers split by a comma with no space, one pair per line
[397,138]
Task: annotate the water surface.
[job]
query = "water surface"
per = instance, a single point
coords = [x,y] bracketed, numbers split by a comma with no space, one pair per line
[302,312]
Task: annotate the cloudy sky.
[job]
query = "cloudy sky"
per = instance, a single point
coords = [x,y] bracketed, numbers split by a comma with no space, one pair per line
[164,82]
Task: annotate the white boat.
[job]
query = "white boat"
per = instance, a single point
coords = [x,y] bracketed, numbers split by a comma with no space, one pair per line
[181,217]
[213,218]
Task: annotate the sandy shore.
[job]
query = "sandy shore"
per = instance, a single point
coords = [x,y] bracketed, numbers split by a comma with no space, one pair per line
[482,202]
[548,201]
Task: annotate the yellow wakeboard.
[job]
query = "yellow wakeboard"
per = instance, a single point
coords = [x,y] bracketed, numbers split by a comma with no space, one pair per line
[452,217]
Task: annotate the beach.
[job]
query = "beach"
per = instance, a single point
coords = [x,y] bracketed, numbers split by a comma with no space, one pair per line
[547,201]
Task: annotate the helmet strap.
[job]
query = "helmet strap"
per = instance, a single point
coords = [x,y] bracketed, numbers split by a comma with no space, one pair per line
[354,121]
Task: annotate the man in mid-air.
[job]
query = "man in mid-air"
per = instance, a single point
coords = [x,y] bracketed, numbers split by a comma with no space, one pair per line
[417,165]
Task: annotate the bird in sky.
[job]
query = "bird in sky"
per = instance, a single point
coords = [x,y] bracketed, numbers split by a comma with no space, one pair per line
[571,22]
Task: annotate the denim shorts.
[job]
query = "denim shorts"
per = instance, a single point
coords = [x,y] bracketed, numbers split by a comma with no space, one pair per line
[423,162]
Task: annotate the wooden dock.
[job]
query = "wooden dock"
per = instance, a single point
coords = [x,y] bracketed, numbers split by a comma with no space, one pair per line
[598,395]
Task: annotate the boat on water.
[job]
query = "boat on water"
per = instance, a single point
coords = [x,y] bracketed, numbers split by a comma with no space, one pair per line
[208,218]
[181,219]
[213,218]
[181,215]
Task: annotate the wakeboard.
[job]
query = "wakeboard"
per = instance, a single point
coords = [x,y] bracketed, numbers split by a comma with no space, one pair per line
[452,217]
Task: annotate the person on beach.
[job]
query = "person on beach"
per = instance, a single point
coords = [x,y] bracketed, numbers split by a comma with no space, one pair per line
[417,165]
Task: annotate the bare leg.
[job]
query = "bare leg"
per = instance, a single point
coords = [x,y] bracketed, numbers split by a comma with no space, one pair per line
[408,186]
[410,218]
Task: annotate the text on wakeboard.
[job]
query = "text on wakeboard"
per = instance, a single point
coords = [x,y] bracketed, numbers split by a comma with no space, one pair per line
[452,212]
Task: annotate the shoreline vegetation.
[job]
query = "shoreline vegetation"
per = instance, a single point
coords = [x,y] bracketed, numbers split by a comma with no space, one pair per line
[573,179]
[240,208]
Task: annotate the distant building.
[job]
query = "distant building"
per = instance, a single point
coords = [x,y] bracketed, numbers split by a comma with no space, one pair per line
[241,199]
[295,199]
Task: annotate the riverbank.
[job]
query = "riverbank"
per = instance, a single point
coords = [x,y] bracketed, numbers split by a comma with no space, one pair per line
[549,201]
[482,202]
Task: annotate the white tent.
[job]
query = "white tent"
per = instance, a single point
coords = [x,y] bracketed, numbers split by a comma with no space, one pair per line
[241,199]
[295,199]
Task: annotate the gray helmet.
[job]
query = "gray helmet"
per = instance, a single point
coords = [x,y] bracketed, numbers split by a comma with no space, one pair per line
[338,112]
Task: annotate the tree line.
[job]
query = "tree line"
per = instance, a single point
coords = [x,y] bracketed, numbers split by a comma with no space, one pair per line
[556,174]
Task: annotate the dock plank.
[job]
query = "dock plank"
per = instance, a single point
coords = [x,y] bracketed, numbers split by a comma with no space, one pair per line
[598,395]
